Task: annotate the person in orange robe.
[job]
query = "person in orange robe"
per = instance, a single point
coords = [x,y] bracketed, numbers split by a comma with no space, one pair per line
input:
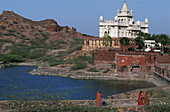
[98,98]
[140,98]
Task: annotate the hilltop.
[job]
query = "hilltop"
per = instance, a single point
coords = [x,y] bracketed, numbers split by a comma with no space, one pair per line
[22,39]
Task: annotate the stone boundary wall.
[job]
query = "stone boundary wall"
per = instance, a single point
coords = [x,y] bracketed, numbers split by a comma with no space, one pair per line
[163,71]
[160,80]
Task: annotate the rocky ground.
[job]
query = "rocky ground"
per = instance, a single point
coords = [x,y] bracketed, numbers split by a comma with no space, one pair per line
[105,72]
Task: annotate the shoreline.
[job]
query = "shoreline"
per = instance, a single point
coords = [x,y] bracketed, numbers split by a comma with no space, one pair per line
[83,75]
[113,97]
[80,74]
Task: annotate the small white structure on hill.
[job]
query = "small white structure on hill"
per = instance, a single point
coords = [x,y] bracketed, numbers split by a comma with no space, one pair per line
[123,25]
[149,44]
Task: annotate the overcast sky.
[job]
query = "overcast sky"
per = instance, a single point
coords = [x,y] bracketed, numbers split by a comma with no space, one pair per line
[84,14]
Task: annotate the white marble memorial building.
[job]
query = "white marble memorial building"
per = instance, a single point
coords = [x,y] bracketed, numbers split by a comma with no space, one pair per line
[123,25]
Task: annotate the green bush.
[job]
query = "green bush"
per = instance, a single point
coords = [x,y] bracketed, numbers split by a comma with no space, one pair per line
[7,34]
[157,108]
[15,22]
[78,66]
[63,42]
[113,65]
[69,51]
[68,61]
[10,34]
[10,24]
[45,58]
[55,62]
[111,50]
[23,35]
[5,41]
[78,40]
[40,30]
[107,70]
[61,54]
[11,31]
[131,49]
[2,27]
[78,59]
[93,69]
[36,54]
[11,58]
[158,93]
[1,33]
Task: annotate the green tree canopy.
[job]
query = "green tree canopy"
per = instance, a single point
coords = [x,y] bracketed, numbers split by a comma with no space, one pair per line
[124,41]
[139,42]
[163,39]
[107,41]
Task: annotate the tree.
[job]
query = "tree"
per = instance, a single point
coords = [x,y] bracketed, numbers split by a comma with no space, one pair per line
[139,42]
[124,41]
[145,36]
[141,36]
[107,40]
[163,39]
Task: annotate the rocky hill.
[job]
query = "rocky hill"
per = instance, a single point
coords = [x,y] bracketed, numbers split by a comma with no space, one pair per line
[22,39]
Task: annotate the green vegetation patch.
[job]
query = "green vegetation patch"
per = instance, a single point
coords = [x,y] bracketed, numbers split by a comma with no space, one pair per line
[2,27]
[107,70]
[69,51]
[93,70]
[11,58]
[159,93]
[11,31]
[78,65]
[15,22]
[36,54]
[52,60]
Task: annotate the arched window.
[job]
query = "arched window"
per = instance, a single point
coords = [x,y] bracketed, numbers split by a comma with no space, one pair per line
[115,42]
[105,33]
[122,33]
[87,42]
[122,21]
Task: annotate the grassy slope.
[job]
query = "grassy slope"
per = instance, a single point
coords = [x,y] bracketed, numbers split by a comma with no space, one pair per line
[22,39]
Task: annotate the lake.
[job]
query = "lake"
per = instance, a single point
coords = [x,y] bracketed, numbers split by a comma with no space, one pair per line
[16,82]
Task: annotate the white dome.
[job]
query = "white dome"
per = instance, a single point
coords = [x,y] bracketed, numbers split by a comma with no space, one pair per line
[101,18]
[146,20]
[138,22]
[116,18]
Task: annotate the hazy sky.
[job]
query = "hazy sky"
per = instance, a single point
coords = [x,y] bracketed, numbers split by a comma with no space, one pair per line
[84,14]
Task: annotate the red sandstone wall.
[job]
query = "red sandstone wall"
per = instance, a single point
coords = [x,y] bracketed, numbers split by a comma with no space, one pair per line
[103,55]
[109,56]
[132,60]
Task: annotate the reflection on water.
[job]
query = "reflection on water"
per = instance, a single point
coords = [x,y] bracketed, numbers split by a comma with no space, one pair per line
[17,80]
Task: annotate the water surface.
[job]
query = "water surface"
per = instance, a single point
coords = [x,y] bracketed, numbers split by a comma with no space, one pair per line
[17,80]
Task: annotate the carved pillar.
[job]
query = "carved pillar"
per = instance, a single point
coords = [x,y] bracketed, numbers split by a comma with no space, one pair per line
[112,43]
[85,42]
